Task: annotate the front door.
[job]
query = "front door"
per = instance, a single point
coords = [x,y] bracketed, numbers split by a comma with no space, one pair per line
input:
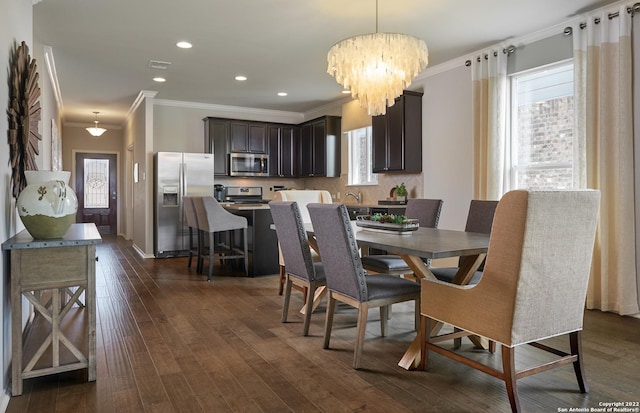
[96,188]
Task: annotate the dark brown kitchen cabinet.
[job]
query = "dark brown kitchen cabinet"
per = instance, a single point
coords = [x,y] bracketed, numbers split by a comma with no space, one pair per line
[320,147]
[248,137]
[283,144]
[216,141]
[397,136]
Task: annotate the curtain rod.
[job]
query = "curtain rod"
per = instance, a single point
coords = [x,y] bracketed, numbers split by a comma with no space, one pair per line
[507,50]
[632,10]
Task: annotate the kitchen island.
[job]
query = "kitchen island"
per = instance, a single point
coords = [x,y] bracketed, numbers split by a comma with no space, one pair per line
[262,242]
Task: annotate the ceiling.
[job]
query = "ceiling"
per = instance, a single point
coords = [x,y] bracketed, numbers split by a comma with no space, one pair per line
[102,49]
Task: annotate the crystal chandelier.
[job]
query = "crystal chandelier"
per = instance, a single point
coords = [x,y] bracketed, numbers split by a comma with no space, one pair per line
[377,67]
[95,130]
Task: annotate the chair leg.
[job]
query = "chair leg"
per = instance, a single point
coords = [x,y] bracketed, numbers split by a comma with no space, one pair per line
[211,251]
[246,252]
[190,247]
[361,328]
[200,252]
[457,342]
[384,318]
[509,373]
[576,349]
[416,321]
[281,280]
[287,297]
[425,325]
[328,324]
[310,293]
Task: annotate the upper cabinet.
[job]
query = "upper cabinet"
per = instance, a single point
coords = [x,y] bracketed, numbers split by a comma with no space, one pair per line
[397,136]
[250,137]
[216,141]
[320,147]
[308,150]
[283,145]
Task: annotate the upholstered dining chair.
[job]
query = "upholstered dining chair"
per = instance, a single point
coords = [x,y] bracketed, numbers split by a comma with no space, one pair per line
[300,268]
[479,219]
[192,223]
[533,286]
[302,197]
[346,278]
[212,218]
[427,212]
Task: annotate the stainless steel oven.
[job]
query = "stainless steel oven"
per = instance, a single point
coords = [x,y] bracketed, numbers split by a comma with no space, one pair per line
[248,164]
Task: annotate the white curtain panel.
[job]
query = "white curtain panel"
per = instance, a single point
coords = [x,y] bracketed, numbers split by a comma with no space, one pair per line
[489,76]
[604,157]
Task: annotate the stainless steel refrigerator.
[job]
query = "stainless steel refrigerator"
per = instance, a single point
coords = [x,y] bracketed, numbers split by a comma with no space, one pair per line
[177,175]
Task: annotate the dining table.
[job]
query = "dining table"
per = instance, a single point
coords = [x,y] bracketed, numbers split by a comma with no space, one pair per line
[416,246]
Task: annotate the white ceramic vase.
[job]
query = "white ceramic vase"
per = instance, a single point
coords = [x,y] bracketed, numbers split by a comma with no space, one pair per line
[47,206]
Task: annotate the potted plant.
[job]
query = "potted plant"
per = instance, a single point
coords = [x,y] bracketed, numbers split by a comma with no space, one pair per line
[401,192]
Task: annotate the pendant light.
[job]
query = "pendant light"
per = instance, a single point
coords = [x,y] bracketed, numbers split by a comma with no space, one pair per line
[377,67]
[95,130]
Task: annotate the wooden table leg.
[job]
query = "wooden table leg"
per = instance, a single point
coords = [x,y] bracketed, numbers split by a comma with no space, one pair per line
[468,267]
[411,358]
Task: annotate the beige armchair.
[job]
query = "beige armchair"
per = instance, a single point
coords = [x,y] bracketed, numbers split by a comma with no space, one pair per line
[533,286]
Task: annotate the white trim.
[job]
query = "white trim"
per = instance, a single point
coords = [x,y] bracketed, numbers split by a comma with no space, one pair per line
[86,125]
[50,63]
[519,41]
[4,399]
[141,253]
[139,99]
[295,117]
[327,108]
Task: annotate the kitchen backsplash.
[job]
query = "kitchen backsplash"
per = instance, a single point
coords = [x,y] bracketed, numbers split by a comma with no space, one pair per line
[371,194]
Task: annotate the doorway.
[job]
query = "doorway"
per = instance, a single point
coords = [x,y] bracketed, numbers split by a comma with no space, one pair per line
[96,188]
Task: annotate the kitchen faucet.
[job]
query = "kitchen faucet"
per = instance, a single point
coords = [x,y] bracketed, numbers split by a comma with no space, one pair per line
[357,197]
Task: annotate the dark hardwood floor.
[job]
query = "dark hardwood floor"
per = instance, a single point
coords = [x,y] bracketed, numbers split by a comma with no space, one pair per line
[168,341]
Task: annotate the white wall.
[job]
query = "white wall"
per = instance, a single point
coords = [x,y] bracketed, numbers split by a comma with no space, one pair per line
[179,127]
[447,136]
[15,27]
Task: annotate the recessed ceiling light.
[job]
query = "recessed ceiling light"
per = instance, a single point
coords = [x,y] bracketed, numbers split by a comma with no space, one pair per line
[282,93]
[184,45]
[241,78]
[159,79]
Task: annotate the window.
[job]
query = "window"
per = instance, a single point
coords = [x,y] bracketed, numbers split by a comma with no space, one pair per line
[360,157]
[96,183]
[542,123]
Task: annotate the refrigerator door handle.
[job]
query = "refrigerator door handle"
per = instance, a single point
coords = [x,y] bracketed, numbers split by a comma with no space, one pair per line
[183,171]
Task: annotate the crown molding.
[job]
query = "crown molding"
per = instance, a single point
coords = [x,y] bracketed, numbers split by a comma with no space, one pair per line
[84,125]
[273,115]
[50,64]
[520,40]
[144,94]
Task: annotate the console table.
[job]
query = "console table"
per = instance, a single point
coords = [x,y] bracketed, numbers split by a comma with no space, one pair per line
[54,276]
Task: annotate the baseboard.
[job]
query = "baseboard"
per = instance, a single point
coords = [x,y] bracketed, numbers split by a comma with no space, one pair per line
[142,253]
[4,400]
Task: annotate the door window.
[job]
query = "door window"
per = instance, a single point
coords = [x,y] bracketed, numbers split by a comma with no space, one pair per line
[96,183]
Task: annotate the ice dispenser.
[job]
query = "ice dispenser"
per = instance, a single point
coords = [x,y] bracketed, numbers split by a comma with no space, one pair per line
[169,196]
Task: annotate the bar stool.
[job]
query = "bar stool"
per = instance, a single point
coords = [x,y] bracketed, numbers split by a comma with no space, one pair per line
[213,218]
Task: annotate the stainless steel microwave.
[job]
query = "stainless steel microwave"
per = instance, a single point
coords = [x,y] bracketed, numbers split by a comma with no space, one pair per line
[248,164]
